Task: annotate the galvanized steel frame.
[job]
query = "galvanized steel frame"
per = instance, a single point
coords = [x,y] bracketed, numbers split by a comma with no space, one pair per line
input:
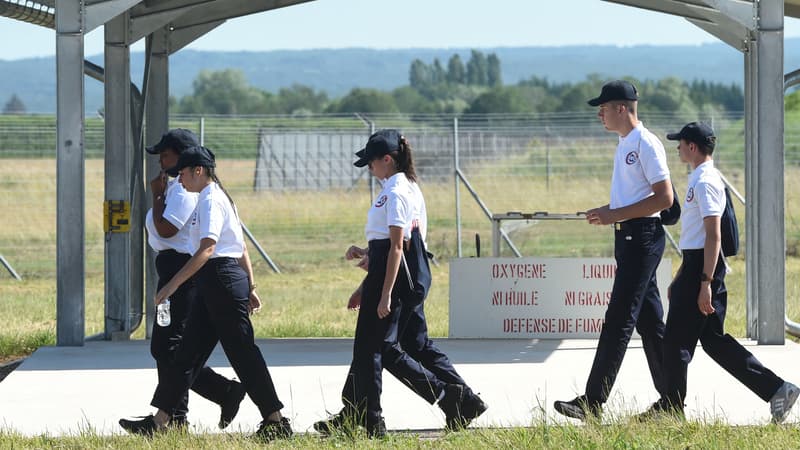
[753,27]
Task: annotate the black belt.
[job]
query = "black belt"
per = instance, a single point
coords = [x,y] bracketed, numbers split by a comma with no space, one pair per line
[386,243]
[170,251]
[629,225]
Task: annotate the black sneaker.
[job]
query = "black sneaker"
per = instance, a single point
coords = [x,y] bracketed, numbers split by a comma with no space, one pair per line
[471,407]
[269,431]
[178,423]
[377,430]
[146,426]
[662,409]
[579,408]
[230,407]
[335,423]
[451,404]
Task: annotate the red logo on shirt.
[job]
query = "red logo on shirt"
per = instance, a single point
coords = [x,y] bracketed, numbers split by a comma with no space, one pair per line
[690,195]
[381,201]
[631,158]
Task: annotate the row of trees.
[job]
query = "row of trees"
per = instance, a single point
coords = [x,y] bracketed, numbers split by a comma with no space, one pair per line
[479,71]
[474,87]
[228,92]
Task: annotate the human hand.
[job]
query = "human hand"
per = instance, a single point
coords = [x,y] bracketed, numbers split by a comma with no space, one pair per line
[600,216]
[255,302]
[355,300]
[354,252]
[384,307]
[163,294]
[704,299]
[363,263]
[158,185]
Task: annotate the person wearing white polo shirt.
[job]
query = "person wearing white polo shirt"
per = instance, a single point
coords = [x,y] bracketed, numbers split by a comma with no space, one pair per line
[227,296]
[391,331]
[168,227]
[640,190]
[698,297]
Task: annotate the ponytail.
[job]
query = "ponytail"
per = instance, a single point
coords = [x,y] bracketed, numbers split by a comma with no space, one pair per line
[213,175]
[404,160]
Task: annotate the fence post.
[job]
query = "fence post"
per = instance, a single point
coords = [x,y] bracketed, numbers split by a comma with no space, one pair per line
[202,130]
[456,168]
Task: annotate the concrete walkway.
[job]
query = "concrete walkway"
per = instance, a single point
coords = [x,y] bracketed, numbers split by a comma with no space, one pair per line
[65,390]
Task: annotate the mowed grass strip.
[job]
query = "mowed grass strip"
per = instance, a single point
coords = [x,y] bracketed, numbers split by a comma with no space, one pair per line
[663,434]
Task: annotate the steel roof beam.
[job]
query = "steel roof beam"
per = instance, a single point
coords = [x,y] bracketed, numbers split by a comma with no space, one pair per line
[736,37]
[181,37]
[689,11]
[99,13]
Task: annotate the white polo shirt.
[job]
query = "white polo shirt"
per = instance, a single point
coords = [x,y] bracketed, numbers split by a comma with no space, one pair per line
[217,220]
[420,214]
[398,204]
[178,209]
[705,197]
[639,163]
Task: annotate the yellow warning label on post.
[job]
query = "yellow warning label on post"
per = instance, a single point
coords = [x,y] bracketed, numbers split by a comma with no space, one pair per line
[116,216]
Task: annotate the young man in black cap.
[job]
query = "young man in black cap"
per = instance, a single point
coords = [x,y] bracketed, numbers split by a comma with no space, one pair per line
[168,224]
[698,297]
[640,189]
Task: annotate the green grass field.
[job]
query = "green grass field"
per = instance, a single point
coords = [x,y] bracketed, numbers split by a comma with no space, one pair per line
[662,434]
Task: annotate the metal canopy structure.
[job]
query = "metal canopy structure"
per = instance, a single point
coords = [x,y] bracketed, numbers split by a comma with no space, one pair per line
[754,27]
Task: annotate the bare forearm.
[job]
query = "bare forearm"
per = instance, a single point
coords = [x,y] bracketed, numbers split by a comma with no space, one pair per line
[392,266]
[246,265]
[197,261]
[643,208]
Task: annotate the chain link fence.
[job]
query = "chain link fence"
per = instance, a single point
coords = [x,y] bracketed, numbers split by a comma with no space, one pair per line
[299,194]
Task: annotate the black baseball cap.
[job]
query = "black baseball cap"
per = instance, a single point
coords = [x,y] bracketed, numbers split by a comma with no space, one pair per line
[193,157]
[178,139]
[615,90]
[381,143]
[700,133]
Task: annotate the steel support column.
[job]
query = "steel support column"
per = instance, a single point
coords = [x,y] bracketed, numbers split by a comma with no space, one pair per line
[70,237]
[751,174]
[157,123]
[768,196]
[118,167]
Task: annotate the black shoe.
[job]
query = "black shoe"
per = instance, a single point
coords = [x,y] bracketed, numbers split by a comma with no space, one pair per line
[451,404]
[230,407]
[471,407]
[662,409]
[377,430]
[343,420]
[178,423]
[579,408]
[269,431]
[146,426]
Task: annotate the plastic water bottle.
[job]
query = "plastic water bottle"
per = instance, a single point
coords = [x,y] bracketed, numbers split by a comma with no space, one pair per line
[162,314]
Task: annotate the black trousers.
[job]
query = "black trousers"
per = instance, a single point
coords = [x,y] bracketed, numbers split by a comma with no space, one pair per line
[686,325]
[376,346]
[635,303]
[221,315]
[165,340]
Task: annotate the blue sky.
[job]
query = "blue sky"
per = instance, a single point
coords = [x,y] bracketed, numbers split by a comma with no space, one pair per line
[415,23]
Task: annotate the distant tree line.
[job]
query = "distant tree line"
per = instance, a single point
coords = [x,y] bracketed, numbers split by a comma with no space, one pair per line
[475,87]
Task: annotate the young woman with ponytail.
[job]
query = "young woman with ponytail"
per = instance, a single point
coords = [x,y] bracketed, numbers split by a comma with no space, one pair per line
[226,297]
[391,331]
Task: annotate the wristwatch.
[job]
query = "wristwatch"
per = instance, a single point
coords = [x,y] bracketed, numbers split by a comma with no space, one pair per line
[705,278]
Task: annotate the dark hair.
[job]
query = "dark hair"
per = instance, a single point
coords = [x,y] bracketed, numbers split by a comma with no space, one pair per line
[707,149]
[404,160]
[213,175]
